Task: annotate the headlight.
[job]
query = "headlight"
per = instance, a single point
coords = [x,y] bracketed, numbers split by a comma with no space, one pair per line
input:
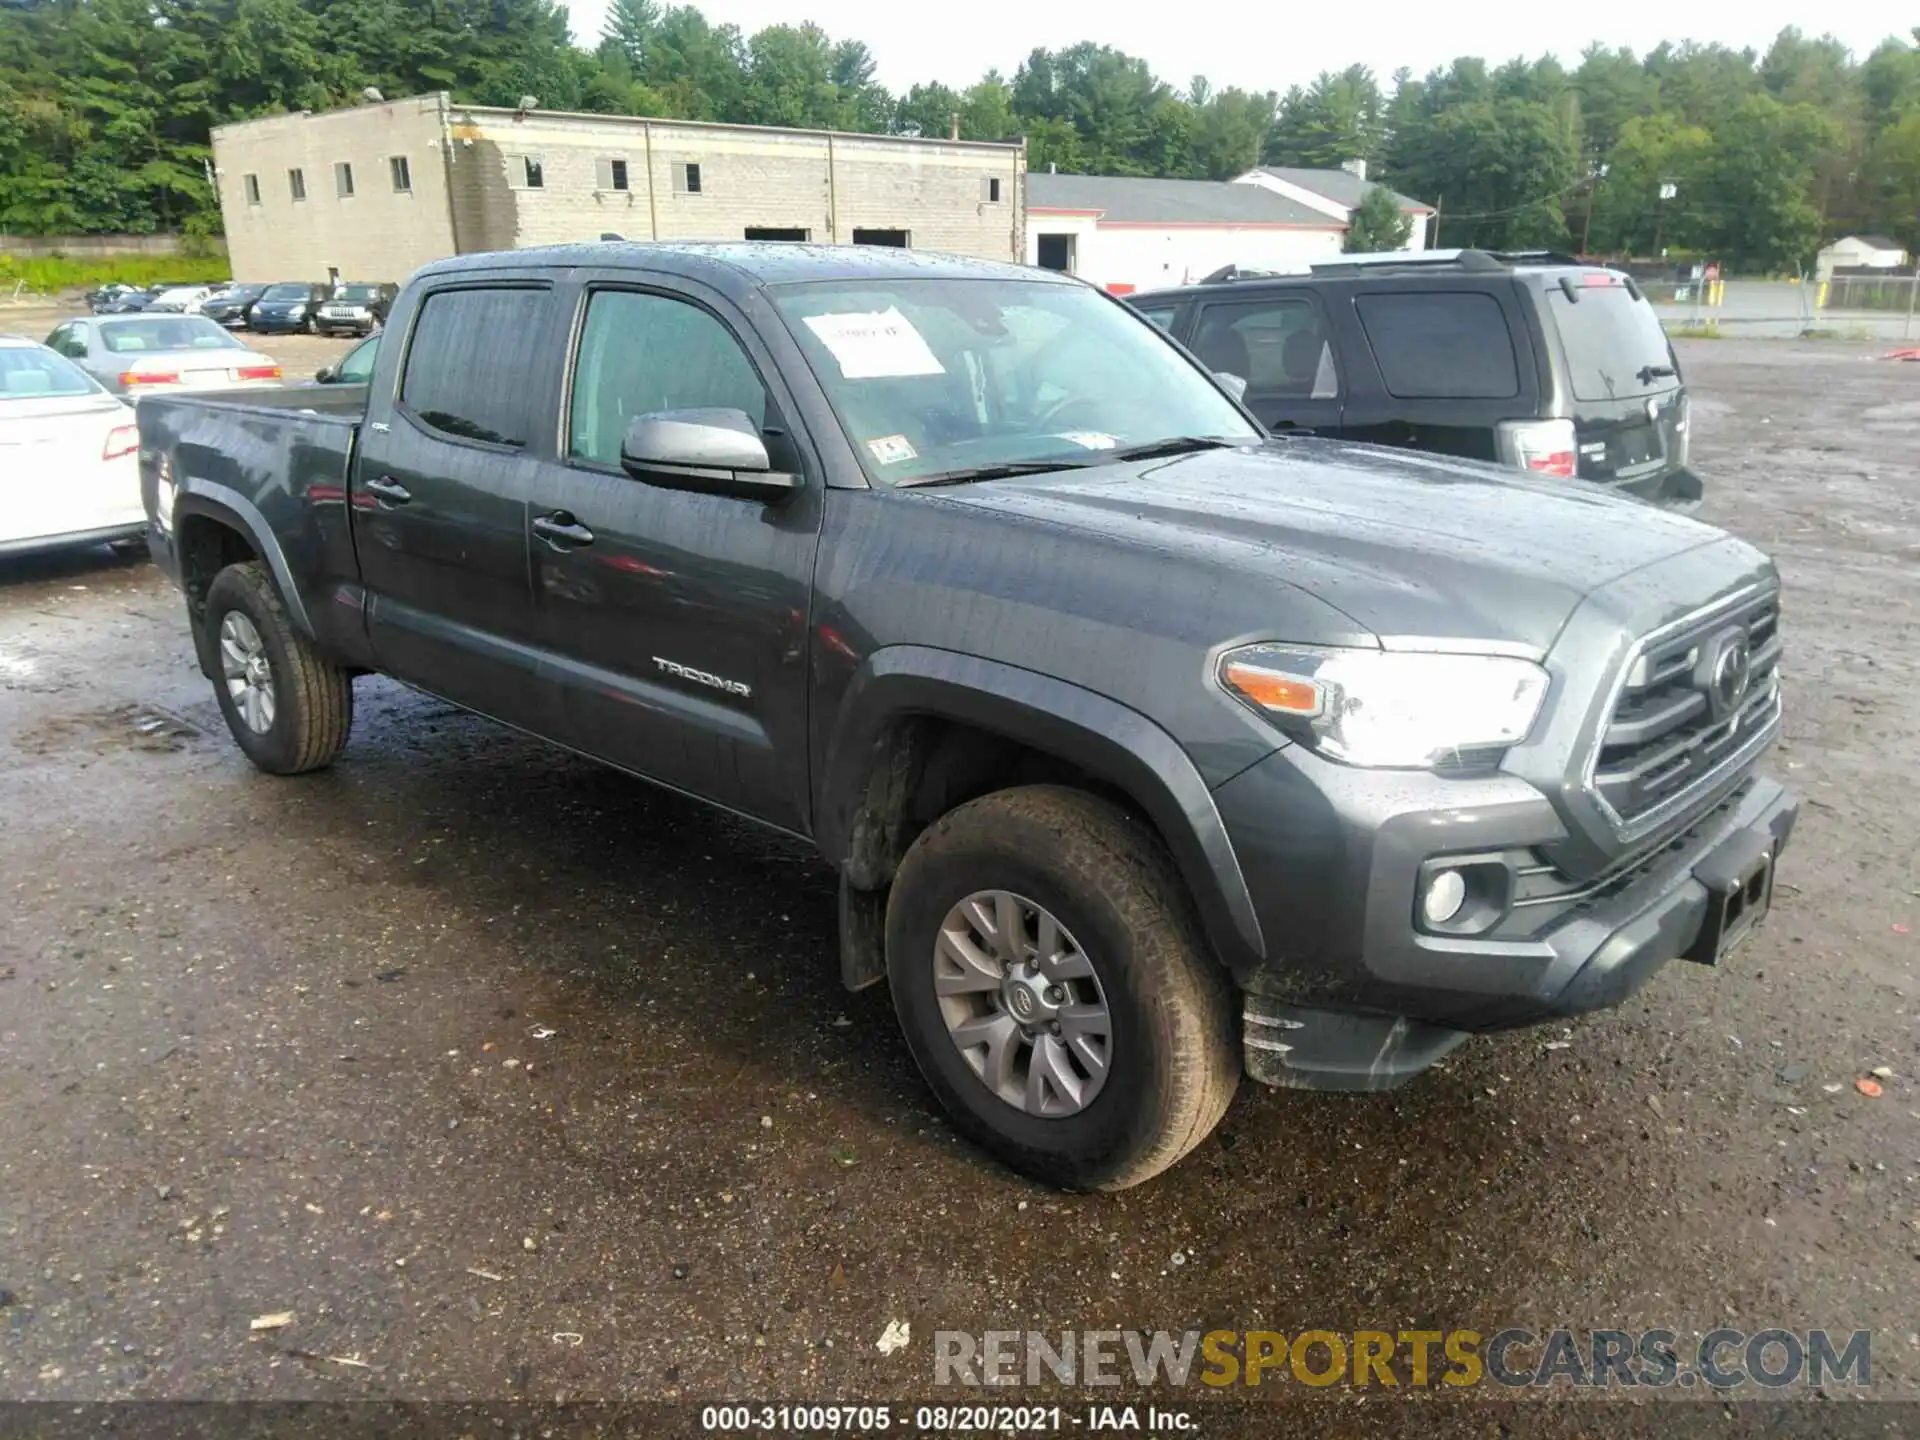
[296,312]
[1385,709]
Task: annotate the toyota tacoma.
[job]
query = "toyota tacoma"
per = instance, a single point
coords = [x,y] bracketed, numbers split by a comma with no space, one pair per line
[1150,750]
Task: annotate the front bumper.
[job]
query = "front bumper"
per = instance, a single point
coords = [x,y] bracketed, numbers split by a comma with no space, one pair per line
[278,324]
[1354,994]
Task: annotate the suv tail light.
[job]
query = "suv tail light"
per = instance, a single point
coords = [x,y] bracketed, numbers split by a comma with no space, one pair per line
[121,440]
[1546,447]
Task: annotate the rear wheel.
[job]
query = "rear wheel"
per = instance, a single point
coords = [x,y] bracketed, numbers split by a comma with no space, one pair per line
[288,708]
[1055,990]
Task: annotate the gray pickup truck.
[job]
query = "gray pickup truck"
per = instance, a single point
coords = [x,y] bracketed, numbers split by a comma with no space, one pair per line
[1149,750]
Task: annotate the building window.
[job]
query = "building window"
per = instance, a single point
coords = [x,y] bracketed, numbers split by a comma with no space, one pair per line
[343,180]
[612,175]
[251,183]
[896,238]
[402,172]
[297,184]
[686,179]
[525,172]
[776,232]
[993,189]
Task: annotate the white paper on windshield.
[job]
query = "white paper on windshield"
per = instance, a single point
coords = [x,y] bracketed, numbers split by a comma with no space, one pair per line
[892,449]
[1091,439]
[875,344]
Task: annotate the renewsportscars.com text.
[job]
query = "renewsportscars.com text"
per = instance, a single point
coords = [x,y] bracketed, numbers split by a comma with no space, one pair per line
[1718,1360]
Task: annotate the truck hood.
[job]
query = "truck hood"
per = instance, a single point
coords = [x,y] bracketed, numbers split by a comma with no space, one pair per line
[1403,544]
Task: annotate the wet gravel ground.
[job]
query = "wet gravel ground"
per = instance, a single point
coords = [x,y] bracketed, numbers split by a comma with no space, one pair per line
[511,1077]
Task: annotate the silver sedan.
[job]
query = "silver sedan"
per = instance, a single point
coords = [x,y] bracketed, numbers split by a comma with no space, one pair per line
[145,354]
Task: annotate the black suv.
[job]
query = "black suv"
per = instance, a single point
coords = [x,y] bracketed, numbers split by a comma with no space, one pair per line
[1528,359]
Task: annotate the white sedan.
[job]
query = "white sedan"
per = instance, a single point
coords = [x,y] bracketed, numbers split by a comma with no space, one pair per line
[69,454]
[146,354]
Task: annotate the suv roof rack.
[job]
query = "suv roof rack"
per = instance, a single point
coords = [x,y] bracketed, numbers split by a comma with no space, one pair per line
[1227,274]
[1438,259]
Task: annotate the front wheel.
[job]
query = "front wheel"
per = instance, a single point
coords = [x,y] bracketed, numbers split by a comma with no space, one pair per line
[288,708]
[1055,990]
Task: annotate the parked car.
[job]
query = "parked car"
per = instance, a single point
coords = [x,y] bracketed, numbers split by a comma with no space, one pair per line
[355,309]
[125,302]
[180,300]
[353,368]
[1530,360]
[68,452]
[288,308]
[233,306]
[142,354]
[1148,749]
[109,294]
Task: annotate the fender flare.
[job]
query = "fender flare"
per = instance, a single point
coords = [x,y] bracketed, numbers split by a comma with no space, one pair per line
[215,501]
[1099,735]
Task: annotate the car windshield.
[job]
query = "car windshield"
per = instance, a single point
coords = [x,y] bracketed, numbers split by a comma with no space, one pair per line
[286,292]
[33,373]
[184,332]
[934,376]
[361,293]
[1615,347]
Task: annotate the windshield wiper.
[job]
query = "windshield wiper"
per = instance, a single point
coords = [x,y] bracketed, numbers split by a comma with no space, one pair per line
[1656,372]
[1173,445]
[1002,471]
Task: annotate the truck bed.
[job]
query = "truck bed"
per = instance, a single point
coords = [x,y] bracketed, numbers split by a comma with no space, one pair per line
[280,461]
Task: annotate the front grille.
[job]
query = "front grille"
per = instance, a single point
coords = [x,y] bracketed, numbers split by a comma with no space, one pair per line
[1681,721]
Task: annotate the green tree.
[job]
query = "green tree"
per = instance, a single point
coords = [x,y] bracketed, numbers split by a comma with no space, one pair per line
[1229,128]
[1340,117]
[1377,223]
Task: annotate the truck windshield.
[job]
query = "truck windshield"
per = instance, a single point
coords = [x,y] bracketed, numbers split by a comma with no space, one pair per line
[933,376]
[1615,347]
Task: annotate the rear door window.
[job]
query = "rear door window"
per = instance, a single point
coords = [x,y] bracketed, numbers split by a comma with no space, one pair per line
[1277,345]
[469,365]
[1614,345]
[1161,315]
[1440,345]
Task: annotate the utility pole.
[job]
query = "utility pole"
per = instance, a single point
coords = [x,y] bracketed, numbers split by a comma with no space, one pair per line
[1595,174]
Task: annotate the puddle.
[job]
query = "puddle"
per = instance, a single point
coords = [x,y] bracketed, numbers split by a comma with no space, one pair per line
[139,727]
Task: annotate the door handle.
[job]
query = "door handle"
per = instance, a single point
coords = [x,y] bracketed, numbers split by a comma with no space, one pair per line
[386,488]
[562,531]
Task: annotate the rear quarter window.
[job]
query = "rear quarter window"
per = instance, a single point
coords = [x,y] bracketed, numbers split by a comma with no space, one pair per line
[472,359]
[1441,345]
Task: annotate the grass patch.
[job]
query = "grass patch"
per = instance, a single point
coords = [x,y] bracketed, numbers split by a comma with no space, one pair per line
[52,274]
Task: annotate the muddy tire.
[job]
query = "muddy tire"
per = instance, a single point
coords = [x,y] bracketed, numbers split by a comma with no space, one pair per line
[288,708]
[1022,925]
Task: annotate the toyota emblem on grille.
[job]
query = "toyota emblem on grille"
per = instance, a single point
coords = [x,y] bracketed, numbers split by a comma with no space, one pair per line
[1732,674]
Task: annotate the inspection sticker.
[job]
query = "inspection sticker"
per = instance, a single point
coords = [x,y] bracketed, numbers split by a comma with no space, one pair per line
[892,449]
[875,344]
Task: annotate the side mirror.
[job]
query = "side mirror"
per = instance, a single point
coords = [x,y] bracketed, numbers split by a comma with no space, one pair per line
[326,375]
[1235,385]
[716,452]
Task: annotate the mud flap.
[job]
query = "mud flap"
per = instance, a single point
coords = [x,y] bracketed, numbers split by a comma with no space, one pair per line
[863,936]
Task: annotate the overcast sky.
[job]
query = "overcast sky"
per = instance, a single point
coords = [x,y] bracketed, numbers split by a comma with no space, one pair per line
[1263,47]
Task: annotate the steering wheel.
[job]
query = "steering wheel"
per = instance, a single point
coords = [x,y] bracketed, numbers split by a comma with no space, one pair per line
[1054,418]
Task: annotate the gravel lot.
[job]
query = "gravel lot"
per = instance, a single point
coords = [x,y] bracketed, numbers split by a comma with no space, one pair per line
[511,1077]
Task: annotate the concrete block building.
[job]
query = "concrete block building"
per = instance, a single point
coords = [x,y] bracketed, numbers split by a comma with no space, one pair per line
[377,190]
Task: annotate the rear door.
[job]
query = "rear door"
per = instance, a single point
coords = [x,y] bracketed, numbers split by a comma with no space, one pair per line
[1619,381]
[440,491]
[1279,342]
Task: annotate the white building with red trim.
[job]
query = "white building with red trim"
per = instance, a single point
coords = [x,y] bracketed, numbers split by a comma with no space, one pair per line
[1127,234]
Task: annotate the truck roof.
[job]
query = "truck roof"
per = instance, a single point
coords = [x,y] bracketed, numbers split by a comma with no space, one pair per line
[746,264]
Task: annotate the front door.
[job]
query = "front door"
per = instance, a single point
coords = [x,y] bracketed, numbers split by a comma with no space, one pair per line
[440,499]
[1282,346]
[677,621]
